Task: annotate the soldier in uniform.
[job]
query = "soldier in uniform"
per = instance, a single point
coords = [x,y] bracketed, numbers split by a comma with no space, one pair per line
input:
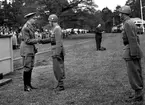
[132,54]
[28,49]
[57,50]
[98,38]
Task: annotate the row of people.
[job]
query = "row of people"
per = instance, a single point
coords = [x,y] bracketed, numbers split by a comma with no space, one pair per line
[4,30]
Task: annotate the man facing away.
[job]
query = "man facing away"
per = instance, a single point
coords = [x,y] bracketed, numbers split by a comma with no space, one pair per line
[98,38]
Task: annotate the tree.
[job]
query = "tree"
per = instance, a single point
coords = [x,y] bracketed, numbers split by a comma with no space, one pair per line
[107,17]
[11,14]
[71,13]
[135,6]
[116,17]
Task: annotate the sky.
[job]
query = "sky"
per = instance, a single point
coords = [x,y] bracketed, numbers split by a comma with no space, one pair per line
[111,4]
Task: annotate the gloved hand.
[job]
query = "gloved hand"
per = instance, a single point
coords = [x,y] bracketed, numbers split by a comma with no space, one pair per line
[53,42]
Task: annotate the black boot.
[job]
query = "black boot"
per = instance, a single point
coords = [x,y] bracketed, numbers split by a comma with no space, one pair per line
[29,81]
[60,86]
[25,79]
[137,97]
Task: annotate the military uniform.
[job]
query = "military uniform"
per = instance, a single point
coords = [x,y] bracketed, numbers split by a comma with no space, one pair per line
[98,37]
[57,53]
[132,55]
[28,51]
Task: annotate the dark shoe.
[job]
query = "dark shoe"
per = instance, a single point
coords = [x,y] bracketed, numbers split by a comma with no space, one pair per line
[32,87]
[138,99]
[59,88]
[56,87]
[29,80]
[135,99]
[131,96]
[25,79]
[102,49]
[26,88]
[63,77]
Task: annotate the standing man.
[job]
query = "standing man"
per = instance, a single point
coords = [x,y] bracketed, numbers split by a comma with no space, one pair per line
[132,54]
[98,38]
[57,51]
[28,49]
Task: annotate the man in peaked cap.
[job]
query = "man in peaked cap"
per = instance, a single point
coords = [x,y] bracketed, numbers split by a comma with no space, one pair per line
[29,15]
[132,54]
[28,49]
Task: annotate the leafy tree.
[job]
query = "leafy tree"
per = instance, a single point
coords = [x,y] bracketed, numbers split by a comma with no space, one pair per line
[72,13]
[107,17]
[116,16]
[11,14]
[135,6]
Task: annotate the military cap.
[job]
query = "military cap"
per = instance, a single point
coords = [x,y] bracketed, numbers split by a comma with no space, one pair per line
[125,9]
[29,15]
[53,18]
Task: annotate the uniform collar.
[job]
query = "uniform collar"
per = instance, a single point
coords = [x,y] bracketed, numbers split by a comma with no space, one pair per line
[126,18]
[30,26]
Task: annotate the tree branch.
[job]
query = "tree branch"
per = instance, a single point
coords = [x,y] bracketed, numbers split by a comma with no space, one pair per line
[71,6]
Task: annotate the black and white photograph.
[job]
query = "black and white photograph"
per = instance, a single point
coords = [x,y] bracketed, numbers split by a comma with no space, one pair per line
[72,52]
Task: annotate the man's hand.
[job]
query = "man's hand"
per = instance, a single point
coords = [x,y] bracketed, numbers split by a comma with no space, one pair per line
[39,40]
[134,57]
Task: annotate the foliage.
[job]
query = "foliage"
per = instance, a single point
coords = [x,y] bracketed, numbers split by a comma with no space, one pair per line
[116,16]
[136,8]
[73,13]
[107,17]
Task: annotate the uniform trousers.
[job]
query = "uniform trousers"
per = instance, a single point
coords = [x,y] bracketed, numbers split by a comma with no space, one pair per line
[58,68]
[28,63]
[134,71]
[98,39]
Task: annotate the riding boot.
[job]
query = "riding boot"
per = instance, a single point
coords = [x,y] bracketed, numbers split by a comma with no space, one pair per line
[25,79]
[60,86]
[29,81]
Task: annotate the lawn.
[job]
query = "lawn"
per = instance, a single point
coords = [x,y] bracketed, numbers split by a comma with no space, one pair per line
[92,77]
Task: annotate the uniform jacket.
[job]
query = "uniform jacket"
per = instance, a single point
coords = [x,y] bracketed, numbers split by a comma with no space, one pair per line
[130,40]
[98,32]
[56,41]
[27,47]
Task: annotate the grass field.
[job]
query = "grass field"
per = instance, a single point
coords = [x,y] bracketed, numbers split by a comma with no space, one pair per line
[92,77]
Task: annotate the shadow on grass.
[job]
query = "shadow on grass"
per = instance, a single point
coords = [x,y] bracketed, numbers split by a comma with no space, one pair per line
[78,37]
